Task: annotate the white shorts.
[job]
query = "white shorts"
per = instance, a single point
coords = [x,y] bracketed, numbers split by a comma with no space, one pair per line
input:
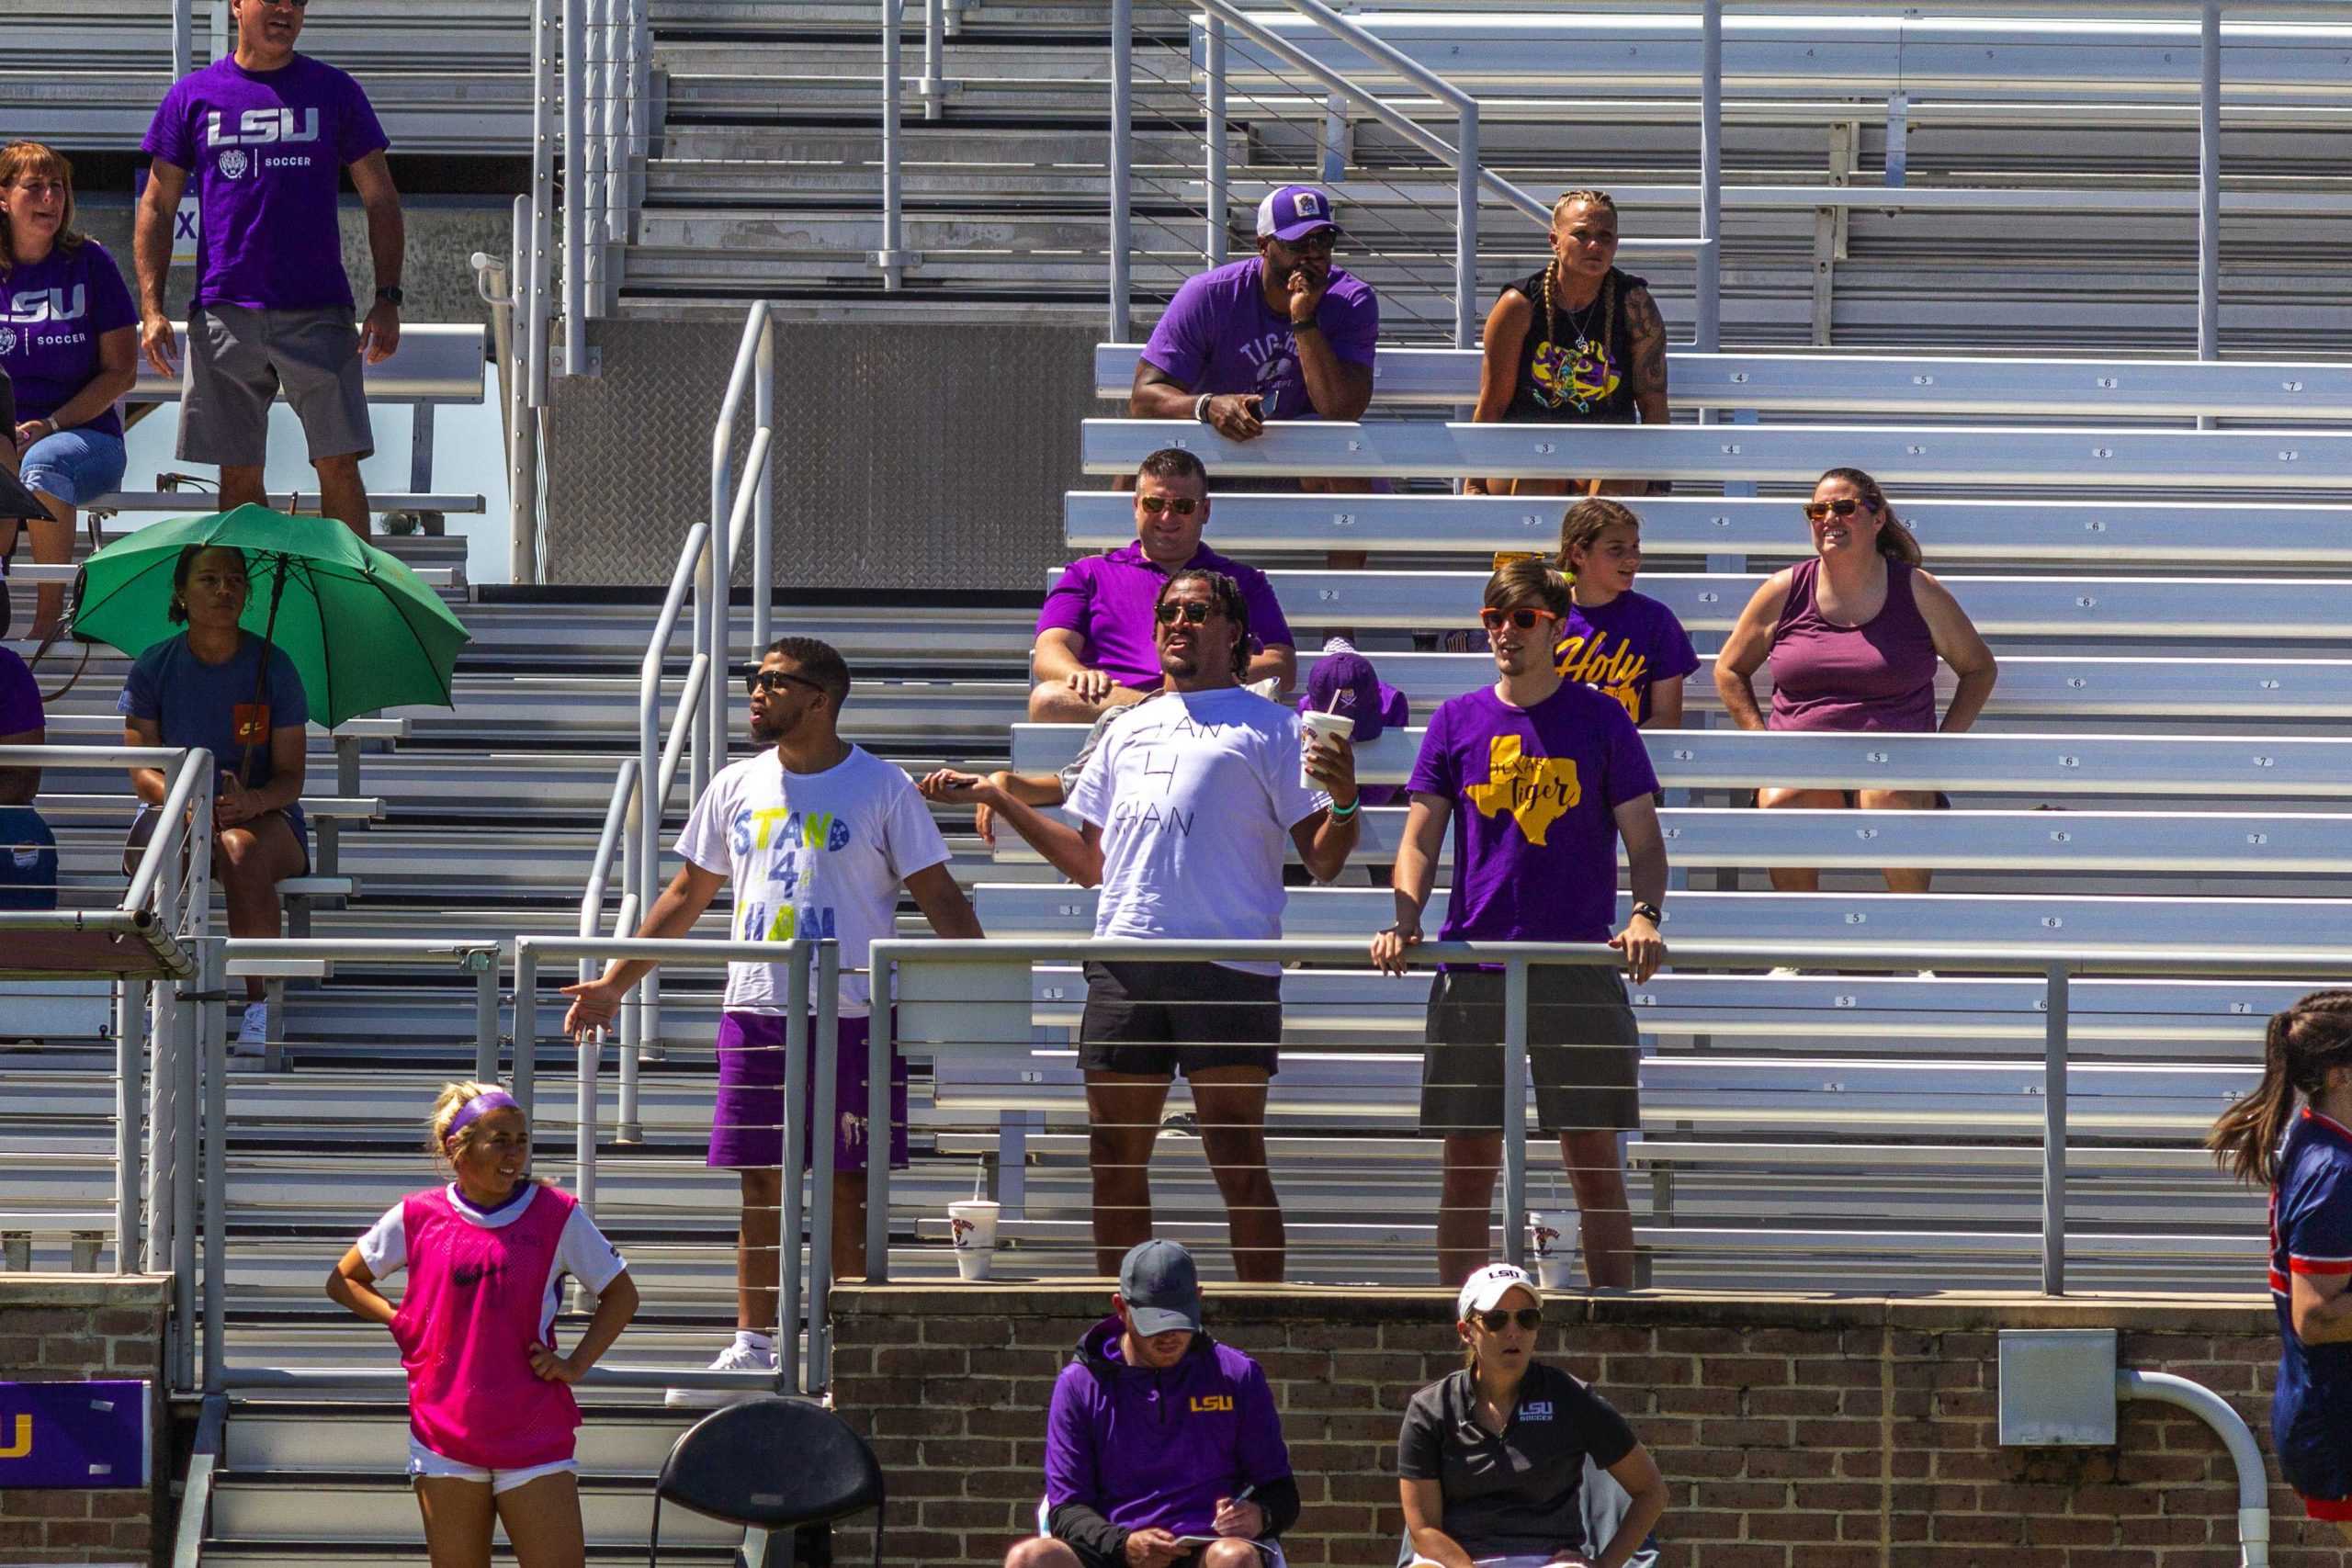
[424,1462]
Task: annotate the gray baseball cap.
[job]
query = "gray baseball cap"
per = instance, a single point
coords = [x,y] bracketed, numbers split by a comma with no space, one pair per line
[1161,1288]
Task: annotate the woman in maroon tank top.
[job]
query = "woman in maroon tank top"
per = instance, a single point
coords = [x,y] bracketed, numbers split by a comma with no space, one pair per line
[1852,637]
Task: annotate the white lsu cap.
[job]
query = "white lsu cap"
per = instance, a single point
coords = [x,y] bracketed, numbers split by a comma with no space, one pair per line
[1490,1285]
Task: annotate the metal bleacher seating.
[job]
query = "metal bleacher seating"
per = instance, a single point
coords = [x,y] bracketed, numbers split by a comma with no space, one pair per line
[2156,769]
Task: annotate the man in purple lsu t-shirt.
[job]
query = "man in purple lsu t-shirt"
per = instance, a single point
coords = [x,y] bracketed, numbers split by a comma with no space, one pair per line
[1283,334]
[267,133]
[1543,776]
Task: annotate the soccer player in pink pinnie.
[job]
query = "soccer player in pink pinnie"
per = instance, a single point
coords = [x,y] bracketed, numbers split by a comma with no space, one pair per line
[491,1420]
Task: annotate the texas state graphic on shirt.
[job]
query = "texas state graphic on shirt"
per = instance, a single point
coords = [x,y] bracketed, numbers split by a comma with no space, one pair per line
[1535,791]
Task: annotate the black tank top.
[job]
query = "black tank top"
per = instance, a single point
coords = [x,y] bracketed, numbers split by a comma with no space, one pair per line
[1572,368]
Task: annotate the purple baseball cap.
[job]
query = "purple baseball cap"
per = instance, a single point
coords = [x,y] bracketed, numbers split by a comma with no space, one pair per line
[1345,683]
[1294,212]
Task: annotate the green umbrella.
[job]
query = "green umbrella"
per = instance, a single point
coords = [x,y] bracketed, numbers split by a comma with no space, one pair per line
[362,631]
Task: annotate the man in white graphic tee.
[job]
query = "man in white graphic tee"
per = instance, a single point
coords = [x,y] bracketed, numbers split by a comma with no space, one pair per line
[1187,804]
[817,836]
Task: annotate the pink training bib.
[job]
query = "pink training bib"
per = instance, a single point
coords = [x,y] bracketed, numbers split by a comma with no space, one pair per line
[466,1327]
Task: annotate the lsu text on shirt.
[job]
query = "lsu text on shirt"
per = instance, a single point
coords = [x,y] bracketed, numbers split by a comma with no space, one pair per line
[53,313]
[811,855]
[1196,794]
[265,151]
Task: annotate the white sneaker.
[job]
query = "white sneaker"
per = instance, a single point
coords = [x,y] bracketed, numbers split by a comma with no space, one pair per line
[1337,644]
[252,1032]
[1786,972]
[737,1357]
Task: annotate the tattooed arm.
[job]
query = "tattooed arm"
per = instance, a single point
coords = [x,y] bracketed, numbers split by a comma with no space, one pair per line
[1648,330]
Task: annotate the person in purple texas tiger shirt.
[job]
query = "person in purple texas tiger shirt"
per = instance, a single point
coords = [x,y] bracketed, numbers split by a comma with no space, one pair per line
[266,134]
[1543,776]
[66,340]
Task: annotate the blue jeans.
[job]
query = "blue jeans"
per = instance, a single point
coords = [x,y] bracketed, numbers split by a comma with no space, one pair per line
[75,466]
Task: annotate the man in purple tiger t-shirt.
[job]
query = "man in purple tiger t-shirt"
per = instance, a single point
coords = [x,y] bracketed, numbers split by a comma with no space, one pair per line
[1283,334]
[1541,776]
[267,133]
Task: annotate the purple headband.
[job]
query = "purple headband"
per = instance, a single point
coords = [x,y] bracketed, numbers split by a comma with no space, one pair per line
[480,1105]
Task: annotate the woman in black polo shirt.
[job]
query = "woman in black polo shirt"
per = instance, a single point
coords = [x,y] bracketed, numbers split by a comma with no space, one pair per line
[1491,1459]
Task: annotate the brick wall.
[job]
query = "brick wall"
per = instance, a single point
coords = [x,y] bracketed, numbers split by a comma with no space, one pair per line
[1795,1432]
[55,1327]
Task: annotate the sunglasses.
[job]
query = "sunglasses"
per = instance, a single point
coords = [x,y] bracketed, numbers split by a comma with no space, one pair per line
[1190,611]
[760,681]
[1181,505]
[1496,620]
[1498,1320]
[1843,507]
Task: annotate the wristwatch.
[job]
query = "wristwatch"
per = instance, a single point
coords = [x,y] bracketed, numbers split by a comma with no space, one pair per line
[1650,912]
[1307,325]
[391,295]
[1200,407]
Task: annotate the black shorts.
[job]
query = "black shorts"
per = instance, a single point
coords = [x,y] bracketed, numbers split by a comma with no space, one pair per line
[1152,1018]
[1584,1051]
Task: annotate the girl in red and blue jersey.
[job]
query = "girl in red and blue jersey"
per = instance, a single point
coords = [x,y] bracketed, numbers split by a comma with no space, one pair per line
[491,1420]
[2304,1152]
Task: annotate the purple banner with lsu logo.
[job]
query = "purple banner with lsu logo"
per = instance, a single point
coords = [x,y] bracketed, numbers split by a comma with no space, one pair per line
[75,1433]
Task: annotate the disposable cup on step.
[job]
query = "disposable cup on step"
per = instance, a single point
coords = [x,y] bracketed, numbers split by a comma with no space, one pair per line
[1553,1252]
[1312,727]
[972,1222]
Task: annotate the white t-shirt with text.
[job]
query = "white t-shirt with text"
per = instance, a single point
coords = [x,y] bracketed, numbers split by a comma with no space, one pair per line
[810,854]
[1196,794]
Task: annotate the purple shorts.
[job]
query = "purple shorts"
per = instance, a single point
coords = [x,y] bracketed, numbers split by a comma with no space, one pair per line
[747,1125]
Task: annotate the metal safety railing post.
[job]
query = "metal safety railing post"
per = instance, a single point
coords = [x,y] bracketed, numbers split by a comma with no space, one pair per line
[1122,171]
[575,187]
[799,1140]
[1514,1112]
[1219,194]
[1707,335]
[753,352]
[183,38]
[130,1095]
[893,240]
[540,261]
[2055,1039]
[825,1060]
[1466,228]
[644,841]
[213,1037]
[935,58]
[763,512]
[526,1026]
[2209,182]
[881,1039]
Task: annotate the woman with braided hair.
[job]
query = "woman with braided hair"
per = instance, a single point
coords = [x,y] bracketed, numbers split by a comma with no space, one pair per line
[1577,342]
[2294,1132]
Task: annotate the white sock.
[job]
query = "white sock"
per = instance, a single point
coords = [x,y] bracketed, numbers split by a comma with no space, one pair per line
[753,1339]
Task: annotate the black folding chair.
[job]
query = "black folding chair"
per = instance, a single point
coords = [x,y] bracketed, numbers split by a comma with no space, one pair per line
[770,1464]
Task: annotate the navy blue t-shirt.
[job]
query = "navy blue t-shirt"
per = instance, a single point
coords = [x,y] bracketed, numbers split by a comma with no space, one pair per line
[218,706]
[2311,1232]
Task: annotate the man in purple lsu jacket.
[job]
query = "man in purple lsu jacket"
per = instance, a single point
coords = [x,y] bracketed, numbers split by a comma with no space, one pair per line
[1162,1445]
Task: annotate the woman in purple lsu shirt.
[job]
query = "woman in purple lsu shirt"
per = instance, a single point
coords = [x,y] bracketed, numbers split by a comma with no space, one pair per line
[1853,635]
[68,339]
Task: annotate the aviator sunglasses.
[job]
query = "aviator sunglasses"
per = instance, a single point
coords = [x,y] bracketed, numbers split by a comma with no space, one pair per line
[1843,507]
[1191,610]
[1498,1320]
[1181,505]
[1496,620]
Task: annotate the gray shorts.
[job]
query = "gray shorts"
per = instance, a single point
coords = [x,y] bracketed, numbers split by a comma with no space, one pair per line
[238,360]
[1584,1052]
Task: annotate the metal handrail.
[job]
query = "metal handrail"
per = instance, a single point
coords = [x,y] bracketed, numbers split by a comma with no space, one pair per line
[608,842]
[2054,964]
[754,370]
[642,841]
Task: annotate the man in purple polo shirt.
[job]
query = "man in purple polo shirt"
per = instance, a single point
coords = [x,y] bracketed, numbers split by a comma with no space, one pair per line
[1095,647]
[1159,1439]
[1283,334]
[1542,777]
[267,133]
